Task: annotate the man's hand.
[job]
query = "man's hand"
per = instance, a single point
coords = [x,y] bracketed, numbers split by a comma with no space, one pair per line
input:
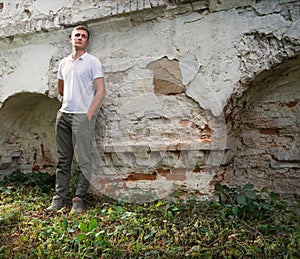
[100,92]
[90,116]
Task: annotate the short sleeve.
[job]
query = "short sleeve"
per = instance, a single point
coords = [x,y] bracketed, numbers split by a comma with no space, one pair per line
[97,70]
[59,72]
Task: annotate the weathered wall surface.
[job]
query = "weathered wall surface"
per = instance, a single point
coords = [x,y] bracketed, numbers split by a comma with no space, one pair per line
[268,131]
[182,78]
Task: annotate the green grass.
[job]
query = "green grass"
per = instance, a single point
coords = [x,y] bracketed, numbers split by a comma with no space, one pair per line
[239,224]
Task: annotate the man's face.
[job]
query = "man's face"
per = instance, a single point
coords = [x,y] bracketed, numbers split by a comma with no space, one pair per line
[79,39]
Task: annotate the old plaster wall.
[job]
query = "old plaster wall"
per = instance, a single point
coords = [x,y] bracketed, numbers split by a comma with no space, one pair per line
[177,76]
[267,131]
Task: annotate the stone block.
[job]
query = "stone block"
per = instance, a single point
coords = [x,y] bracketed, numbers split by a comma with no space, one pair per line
[171,160]
[285,186]
[288,156]
[279,164]
[122,159]
[199,182]
[9,161]
[298,117]
[282,122]
[199,5]
[178,175]
[195,159]
[219,5]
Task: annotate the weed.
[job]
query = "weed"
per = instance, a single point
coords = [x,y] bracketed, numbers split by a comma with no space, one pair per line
[241,223]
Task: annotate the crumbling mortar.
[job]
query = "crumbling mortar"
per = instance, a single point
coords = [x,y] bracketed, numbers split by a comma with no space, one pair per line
[60,20]
[279,9]
[279,50]
[54,21]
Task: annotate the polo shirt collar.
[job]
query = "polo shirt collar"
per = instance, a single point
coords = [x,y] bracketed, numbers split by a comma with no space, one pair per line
[83,55]
[80,58]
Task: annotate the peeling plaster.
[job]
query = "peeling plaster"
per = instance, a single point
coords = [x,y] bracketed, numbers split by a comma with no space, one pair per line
[214,51]
[32,76]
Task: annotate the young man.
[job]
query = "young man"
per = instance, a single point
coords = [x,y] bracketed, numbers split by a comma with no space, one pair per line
[81,84]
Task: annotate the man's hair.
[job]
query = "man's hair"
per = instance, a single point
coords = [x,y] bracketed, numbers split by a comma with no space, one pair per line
[83,28]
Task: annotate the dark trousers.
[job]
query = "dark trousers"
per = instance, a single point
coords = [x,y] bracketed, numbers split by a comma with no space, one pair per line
[74,136]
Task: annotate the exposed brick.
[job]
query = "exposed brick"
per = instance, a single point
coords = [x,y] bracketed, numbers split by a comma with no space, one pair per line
[291,104]
[177,175]
[195,76]
[163,172]
[268,127]
[269,131]
[167,77]
[140,177]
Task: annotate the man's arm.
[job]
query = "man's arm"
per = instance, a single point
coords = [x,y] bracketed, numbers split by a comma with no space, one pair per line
[60,87]
[100,93]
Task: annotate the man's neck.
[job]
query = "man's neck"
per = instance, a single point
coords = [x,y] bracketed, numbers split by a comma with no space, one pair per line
[76,53]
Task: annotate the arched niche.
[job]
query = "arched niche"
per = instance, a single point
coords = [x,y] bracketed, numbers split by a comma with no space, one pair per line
[27,133]
[265,125]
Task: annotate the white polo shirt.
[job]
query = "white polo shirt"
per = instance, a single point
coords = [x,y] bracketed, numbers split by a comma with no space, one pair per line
[78,77]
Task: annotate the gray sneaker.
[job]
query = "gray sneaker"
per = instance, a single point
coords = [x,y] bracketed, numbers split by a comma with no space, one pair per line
[56,204]
[78,206]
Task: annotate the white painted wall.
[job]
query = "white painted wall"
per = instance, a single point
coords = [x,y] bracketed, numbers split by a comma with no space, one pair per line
[218,48]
